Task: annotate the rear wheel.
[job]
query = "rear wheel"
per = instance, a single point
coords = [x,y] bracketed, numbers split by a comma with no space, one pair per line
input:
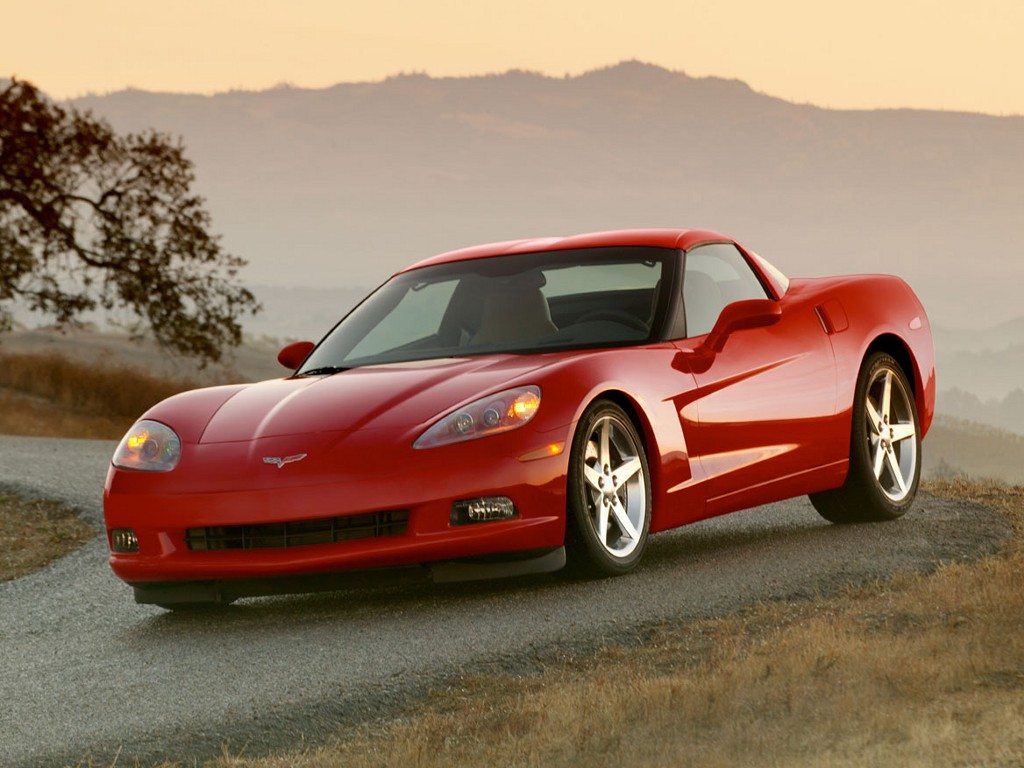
[609,493]
[885,449]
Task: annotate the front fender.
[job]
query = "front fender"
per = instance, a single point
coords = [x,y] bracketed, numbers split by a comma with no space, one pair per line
[643,382]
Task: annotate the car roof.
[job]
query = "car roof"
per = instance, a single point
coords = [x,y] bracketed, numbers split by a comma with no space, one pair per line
[661,238]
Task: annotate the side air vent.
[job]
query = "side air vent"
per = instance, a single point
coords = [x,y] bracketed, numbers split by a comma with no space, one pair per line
[832,316]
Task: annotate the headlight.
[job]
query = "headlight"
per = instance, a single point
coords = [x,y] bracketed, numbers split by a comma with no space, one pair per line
[149,446]
[487,416]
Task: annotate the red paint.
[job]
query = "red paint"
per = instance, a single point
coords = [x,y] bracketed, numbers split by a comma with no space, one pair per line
[293,355]
[833,316]
[742,316]
[758,410]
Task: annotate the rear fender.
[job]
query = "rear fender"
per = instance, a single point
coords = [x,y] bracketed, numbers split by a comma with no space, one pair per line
[883,314]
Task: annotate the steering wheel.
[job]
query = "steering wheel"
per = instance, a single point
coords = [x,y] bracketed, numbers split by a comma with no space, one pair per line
[616,316]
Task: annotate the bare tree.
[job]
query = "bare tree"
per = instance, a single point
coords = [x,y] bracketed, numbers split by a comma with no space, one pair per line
[93,219]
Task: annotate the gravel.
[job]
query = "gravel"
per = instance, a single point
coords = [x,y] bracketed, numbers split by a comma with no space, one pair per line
[85,672]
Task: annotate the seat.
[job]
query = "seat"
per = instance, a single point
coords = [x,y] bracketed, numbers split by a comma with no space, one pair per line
[512,314]
[703,301]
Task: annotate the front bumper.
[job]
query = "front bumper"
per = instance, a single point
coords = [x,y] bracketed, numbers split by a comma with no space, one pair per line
[161,508]
[224,592]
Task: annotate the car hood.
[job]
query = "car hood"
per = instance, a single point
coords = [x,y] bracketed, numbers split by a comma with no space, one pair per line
[397,395]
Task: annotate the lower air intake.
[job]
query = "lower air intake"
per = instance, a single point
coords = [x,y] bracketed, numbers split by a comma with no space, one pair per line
[298,533]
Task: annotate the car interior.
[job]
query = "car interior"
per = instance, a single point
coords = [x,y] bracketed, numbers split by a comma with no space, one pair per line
[512,311]
[703,301]
[567,304]
[716,276]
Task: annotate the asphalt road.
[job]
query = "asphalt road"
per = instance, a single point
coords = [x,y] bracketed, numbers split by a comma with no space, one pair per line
[84,671]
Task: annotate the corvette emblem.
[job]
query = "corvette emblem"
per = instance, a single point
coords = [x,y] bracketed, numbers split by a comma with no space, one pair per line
[280,461]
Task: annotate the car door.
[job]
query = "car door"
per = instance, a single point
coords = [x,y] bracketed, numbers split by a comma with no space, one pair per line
[760,401]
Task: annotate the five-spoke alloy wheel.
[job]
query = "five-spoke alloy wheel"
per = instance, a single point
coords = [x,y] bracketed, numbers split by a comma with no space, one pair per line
[891,428]
[885,448]
[609,493]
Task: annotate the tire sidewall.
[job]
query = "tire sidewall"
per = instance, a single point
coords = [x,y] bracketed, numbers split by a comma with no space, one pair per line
[581,536]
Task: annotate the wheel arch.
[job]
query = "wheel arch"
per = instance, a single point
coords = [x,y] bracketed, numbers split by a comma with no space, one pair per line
[640,419]
[900,351]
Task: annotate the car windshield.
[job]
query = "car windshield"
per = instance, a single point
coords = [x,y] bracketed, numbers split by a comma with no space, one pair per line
[524,303]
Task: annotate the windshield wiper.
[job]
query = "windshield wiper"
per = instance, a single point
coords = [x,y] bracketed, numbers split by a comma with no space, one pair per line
[325,370]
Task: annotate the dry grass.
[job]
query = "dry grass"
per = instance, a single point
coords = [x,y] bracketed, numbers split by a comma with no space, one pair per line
[924,670]
[52,396]
[34,533]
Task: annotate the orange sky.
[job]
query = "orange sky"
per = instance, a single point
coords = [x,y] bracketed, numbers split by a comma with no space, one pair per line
[946,54]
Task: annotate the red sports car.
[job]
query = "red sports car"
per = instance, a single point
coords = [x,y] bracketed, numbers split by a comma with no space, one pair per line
[507,408]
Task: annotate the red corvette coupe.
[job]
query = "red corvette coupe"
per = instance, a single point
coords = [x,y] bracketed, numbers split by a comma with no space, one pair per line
[507,408]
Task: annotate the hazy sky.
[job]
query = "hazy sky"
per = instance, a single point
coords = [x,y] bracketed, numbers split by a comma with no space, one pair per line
[947,54]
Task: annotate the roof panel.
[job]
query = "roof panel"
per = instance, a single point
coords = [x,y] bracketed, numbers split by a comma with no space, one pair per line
[661,238]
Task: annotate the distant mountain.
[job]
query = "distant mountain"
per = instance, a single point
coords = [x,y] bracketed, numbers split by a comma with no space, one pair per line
[992,338]
[343,185]
[988,363]
[985,373]
[958,448]
[1006,413]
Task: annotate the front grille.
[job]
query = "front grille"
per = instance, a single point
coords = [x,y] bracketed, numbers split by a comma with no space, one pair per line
[298,533]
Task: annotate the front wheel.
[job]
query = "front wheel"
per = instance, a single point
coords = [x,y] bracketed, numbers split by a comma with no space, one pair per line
[609,493]
[885,449]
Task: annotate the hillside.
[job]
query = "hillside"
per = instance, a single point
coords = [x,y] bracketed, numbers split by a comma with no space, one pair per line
[956,448]
[256,359]
[342,185]
[1005,414]
[1009,333]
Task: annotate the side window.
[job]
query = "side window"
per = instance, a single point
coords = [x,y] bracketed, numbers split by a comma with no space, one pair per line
[715,275]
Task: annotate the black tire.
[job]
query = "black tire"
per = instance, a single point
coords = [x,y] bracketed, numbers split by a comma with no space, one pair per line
[586,555]
[862,498]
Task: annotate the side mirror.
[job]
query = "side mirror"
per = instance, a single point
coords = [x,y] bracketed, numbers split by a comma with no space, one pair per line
[292,356]
[740,315]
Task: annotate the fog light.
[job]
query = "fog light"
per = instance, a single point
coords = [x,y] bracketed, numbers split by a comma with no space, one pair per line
[123,540]
[482,510]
